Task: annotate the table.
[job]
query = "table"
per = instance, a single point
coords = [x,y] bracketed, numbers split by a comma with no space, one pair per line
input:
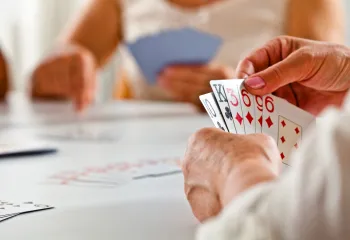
[152,209]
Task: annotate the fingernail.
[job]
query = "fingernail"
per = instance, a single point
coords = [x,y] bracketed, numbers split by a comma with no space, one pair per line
[255,82]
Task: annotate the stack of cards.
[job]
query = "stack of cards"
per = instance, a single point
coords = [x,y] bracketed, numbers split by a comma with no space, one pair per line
[9,210]
[233,109]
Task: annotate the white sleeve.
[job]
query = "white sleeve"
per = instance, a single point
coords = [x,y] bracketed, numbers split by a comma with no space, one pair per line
[311,201]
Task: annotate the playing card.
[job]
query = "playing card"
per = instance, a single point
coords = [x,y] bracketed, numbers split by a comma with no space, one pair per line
[23,149]
[221,99]
[179,46]
[8,208]
[232,92]
[99,177]
[259,107]
[159,170]
[113,175]
[289,137]
[5,217]
[83,133]
[248,107]
[210,105]
[286,123]
[270,116]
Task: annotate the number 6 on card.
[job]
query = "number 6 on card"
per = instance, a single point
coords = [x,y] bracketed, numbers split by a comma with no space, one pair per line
[270,117]
[248,108]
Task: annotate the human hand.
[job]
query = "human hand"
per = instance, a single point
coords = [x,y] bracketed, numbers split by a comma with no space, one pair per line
[187,83]
[218,166]
[68,73]
[309,74]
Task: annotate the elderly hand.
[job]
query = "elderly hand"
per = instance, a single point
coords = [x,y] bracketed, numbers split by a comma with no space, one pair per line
[218,166]
[309,74]
[69,73]
[187,83]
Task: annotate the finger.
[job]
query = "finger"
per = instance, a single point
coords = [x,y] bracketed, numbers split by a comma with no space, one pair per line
[297,67]
[215,71]
[186,90]
[212,71]
[271,53]
[244,69]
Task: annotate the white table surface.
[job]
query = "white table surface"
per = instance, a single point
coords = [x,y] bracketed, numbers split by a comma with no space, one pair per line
[148,209]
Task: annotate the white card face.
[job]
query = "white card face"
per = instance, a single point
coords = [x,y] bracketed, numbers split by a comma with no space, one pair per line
[291,123]
[248,108]
[259,107]
[232,93]
[91,177]
[289,137]
[209,103]
[7,208]
[270,116]
[221,99]
[3,218]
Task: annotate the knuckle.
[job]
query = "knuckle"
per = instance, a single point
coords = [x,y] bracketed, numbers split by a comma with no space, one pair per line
[283,39]
[277,73]
[196,144]
[200,135]
[263,138]
[307,53]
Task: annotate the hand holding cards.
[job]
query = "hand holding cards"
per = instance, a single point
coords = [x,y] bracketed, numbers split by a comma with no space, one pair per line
[180,46]
[233,109]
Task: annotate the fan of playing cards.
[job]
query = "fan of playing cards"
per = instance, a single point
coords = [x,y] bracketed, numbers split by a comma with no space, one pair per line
[233,109]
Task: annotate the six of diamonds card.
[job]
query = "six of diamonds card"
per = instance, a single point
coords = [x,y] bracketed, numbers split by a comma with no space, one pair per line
[233,109]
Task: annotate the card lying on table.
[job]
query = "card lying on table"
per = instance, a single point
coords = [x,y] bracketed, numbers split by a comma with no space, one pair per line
[9,209]
[233,109]
[24,149]
[179,46]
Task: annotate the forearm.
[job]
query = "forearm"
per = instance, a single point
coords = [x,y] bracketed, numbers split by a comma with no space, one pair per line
[321,20]
[4,81]
[98,29]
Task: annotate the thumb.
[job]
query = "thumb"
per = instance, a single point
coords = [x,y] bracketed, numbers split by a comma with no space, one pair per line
[294,68]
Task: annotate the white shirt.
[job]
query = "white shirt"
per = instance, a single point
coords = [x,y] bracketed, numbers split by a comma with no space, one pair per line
[310,202]
[242,24]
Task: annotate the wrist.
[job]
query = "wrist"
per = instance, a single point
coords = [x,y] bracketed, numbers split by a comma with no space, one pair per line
[244,176]
[81,50]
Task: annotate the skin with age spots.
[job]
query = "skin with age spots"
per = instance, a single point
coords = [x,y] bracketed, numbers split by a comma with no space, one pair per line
[218,166]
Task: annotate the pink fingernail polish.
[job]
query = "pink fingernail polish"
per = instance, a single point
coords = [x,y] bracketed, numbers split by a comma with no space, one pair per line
[255,82]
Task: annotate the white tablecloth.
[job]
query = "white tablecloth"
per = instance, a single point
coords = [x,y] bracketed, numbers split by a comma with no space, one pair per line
[145,209]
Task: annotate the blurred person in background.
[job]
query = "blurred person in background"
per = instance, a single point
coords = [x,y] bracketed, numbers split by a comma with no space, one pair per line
[69,71]
[4,78]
